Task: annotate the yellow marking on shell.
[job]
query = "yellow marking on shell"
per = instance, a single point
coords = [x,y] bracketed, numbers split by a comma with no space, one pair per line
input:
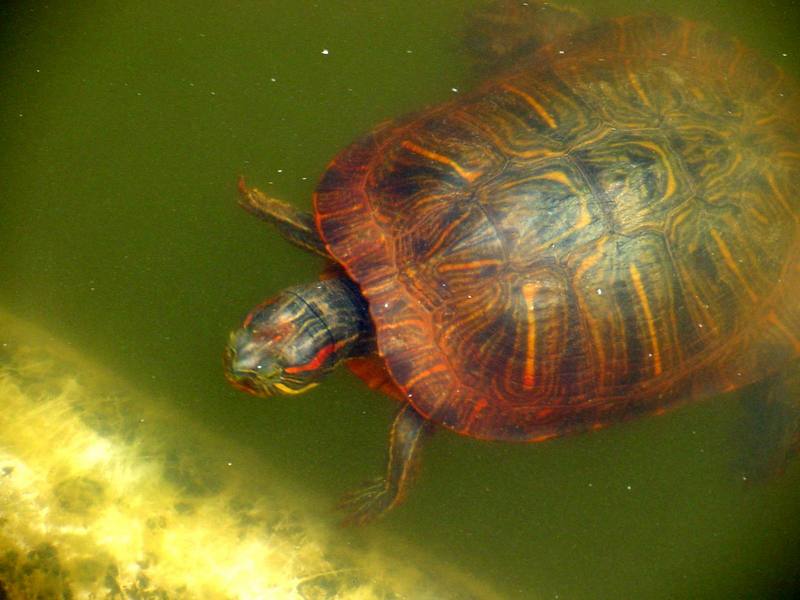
[773,185]
[719,179]
[292,391]
[736,60]
[583,220]
[437,368]
[416,323]
[671,184]
[648,316]
[592,259]
[348,209]
[440,158]
[491,133]
[597,136]
[735,164]
[637,85]
[731,262]
[678,220]
[468,266]
[586,264]
[585,217]
[620,31]
[686,31]
[781,326]
[533,103]
[697,93]
[529,374]
[445,233]
[759,216]
[388,284]
[533,154]
[558,177]
[767,120]
[789,154]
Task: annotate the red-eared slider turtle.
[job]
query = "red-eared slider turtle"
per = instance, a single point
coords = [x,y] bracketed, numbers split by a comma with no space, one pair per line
[606,226]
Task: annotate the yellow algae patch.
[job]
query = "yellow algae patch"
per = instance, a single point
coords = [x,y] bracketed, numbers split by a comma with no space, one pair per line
[102,496]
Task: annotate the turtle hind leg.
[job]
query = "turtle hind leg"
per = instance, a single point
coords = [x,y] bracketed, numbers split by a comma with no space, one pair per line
[506,30]
[295,225]
[380,495]
[770,435]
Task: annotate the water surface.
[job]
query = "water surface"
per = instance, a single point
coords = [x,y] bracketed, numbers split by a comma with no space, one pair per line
[123,128]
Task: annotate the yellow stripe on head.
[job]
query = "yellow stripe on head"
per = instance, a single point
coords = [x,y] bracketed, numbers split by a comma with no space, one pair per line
[282,387]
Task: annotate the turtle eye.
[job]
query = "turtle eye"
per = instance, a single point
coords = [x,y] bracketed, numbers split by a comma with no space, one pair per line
[251,364]
[267,371]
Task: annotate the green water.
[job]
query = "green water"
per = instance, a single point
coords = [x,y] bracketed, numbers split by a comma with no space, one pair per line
[122,130]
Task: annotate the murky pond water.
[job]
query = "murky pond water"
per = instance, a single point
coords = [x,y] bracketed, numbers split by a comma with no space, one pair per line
[123,128]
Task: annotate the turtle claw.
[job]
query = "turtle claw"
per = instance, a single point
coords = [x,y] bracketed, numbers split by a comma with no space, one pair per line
[367,503]
[378,496]
[296,226]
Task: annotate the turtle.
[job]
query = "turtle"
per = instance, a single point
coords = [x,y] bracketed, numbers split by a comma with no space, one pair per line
[607,226]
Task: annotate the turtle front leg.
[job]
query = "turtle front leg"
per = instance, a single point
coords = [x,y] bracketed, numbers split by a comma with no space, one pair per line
[381,495]
[295,225]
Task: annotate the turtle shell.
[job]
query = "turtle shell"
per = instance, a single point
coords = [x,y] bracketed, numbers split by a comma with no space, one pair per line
[607,228]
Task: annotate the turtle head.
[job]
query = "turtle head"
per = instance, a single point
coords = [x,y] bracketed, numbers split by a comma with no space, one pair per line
[289,342]
[283,347]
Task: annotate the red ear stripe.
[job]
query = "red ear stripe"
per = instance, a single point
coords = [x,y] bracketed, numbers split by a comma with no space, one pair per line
[315,362]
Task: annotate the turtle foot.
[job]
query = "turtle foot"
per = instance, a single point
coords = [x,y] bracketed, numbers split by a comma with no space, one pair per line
[367,503]
[770,433]
[380,495]
[505,30]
